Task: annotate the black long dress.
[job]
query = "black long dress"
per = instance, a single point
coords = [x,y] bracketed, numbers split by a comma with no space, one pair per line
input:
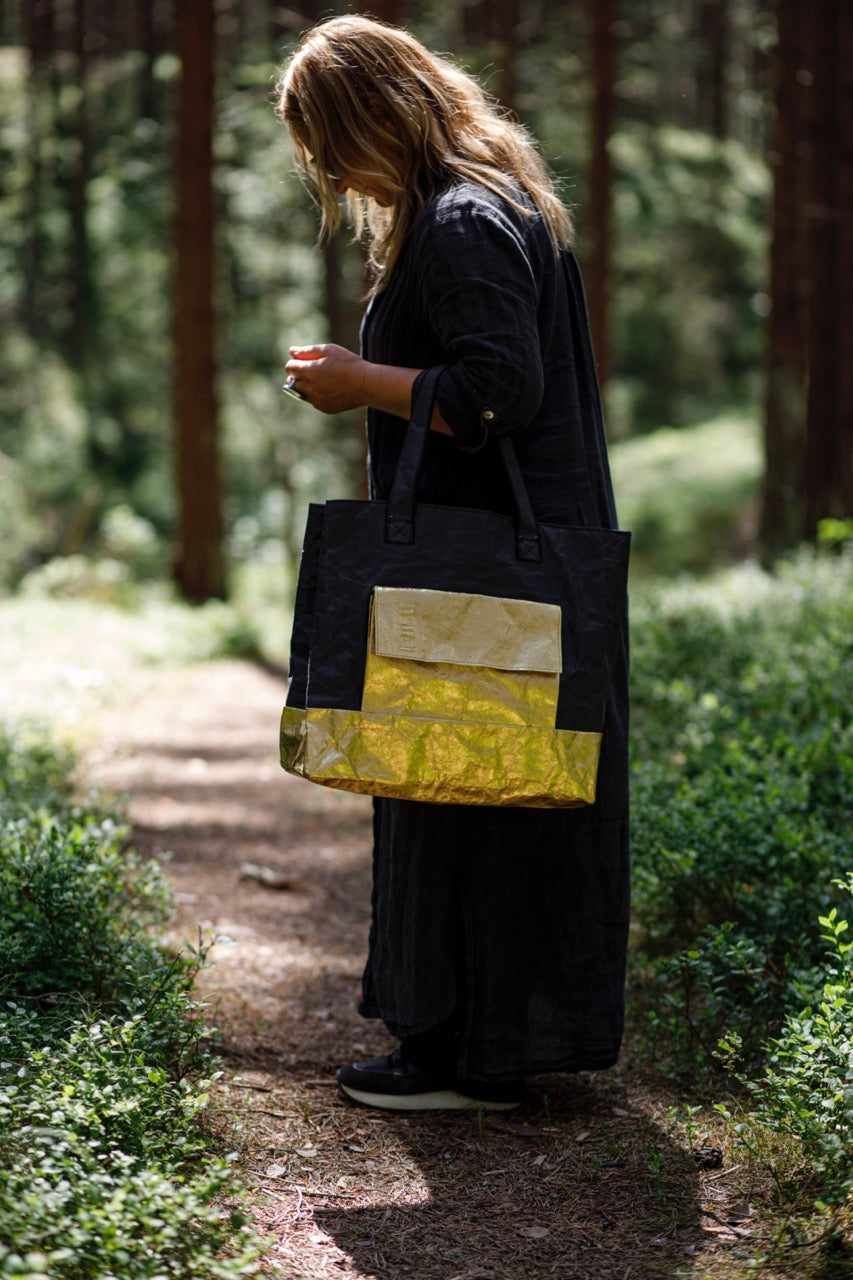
[510,923]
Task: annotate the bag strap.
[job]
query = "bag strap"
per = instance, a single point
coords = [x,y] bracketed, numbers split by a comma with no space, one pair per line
[527,543]
[400,511]
[400,508]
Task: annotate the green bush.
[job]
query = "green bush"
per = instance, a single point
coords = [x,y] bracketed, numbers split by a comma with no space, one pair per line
[806,1090]
[742,783]
[105,1170]
[689,495]
[76,911]
[78,577]
[21,529]
[129,538]
[35,773]
[96,1144]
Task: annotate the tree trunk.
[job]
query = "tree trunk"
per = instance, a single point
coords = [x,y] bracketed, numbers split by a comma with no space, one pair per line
[829,225]
[809,429]
[147,44]
[40,34]
[199,566]
[392,11]
[713,58]
[81,320]
[844,452]
[473,23]
[506,17]
[279,29]
[787,365]
[603,16]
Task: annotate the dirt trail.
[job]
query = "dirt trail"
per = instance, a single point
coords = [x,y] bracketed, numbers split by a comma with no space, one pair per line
[583,1184]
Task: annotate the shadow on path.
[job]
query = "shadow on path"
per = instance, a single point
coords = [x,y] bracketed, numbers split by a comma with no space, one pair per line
[577,1187]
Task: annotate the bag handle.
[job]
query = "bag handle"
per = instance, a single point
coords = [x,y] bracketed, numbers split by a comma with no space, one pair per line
[400,509]
[527,543]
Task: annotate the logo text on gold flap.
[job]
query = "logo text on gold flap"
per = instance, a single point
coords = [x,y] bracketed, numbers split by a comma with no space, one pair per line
[407,627]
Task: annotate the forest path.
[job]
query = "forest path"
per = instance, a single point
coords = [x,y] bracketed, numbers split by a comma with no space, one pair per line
[585,1182]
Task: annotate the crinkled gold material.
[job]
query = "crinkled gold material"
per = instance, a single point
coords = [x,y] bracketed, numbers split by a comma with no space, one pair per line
[466,629]
[453,656]
[412,758]
[448,692]
[292,740]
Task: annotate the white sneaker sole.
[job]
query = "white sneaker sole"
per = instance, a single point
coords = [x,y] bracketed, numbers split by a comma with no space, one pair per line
[435,1100]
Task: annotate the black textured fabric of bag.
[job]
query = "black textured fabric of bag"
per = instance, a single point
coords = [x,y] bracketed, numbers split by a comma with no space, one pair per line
[413,749]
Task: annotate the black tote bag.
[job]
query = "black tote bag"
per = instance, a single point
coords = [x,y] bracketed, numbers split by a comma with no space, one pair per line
[452,655]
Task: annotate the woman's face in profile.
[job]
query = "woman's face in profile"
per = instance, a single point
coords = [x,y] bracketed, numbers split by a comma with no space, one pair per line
[359,174]
[359,177]
[364,186]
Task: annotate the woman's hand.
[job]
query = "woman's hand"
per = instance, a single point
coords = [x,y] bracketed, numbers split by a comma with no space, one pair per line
[333,379]
[330,377]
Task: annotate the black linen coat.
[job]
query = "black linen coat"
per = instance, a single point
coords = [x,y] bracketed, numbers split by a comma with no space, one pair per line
[513,922]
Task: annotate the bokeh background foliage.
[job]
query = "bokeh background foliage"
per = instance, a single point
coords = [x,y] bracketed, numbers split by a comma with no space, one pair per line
[657,121]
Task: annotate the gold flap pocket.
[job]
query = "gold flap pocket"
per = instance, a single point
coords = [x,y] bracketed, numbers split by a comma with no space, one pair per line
[451,655]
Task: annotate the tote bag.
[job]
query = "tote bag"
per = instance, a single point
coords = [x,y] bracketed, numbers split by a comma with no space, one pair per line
[451,655]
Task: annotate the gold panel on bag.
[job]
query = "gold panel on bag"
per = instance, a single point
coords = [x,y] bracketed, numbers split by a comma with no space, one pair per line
[459,707]
[466,629]
[412,758]
[456,656]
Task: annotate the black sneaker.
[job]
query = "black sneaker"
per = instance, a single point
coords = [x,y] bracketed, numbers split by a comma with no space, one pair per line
[396,1084]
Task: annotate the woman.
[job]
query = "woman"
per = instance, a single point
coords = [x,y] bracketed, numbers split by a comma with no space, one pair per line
[498,937]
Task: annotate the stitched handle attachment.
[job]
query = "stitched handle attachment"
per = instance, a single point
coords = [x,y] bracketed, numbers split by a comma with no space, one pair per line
[400,510]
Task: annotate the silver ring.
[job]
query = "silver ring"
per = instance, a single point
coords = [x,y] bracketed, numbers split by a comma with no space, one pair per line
[291,388]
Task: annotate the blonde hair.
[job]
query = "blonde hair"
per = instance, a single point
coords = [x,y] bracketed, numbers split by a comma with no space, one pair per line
[366,99]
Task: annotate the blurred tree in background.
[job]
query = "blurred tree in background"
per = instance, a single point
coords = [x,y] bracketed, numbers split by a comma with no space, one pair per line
[809,394]
[199,563]
[142,352]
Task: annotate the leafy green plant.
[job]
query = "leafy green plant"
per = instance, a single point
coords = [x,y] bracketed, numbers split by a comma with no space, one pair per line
[35,772]
[97,1148]
[833,532]
[743,780]
[129,538]
[806,1090]
[105,1069]
[76,912]
[76,577]
[685,517]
